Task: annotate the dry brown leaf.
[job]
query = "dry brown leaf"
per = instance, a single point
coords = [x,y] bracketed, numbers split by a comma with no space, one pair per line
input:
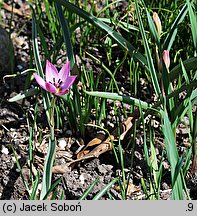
[60,169]
[126,126]
[96,141]
[9,8]
[102,146]
[82,153]
[130,189]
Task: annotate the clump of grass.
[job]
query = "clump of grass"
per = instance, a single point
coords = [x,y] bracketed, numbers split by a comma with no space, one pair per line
[142,58]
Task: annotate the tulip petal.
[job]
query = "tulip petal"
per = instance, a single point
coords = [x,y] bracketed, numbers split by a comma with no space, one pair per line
[157,22]
[166,58]
[64,72]
[51,73]
[62,93]
[40,81]
[51,88]
[67,84]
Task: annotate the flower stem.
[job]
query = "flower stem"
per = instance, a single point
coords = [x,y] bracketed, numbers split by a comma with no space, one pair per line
[51,112]
[47,174]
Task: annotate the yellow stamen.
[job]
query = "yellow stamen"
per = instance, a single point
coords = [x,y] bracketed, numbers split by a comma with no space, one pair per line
[57,90]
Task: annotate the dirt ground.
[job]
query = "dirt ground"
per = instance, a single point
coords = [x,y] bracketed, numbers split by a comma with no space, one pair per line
[14,134]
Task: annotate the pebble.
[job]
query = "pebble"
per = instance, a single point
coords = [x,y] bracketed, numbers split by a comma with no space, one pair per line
[62,143]
[4,150]
[82,179]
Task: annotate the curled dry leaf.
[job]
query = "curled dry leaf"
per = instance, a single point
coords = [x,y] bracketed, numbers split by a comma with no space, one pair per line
[96,141]
[130,189]
[102,145]
[126,126]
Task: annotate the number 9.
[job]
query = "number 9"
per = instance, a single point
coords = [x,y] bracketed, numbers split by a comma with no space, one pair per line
[190,206]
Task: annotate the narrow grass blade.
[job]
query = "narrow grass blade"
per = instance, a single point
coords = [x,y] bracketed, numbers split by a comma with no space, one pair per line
[125,26]
[20,168]
[120,151]
[89,189]
[105,189]
[43,42]
[173,30]
[62,195]
[108,5]
[153,29]
[185,73]
[172,155]
[193,21]
[187,162]
[191,97]
[54,195]
[177,169]
[126,45]
[189,64]
[159,174]
[125,99]
[45,94]
[154,163]
[35,187]
[47,174]
[25,94]
[66,34]
[35,47]
[144,187]
[148,54]
[52,188]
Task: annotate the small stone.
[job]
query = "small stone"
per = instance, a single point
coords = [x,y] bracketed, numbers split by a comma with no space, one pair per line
[17,170]
[82,179]
[19,67]
[62,143]
[4,150]
[14,159]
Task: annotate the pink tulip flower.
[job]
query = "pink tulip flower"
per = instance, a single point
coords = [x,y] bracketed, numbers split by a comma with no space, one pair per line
[166,58]
[157,22]
[56,82]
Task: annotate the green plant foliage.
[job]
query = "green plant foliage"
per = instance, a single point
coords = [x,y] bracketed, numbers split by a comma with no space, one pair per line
[118,50]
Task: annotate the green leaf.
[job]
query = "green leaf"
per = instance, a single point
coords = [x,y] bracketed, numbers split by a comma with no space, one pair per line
[194,96]
[189,64]
[191,97]
[89,189]
[172,155]
[153,29]
[46,182]
[125,99]
[154,163]
[148,54]
[177,169]
[52,188]
[35,46]
[66,34]
[45,94]
[35,187]
[105,189]
[25,94]
[125,26]
[173,30]
[126,45]
[193,21]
